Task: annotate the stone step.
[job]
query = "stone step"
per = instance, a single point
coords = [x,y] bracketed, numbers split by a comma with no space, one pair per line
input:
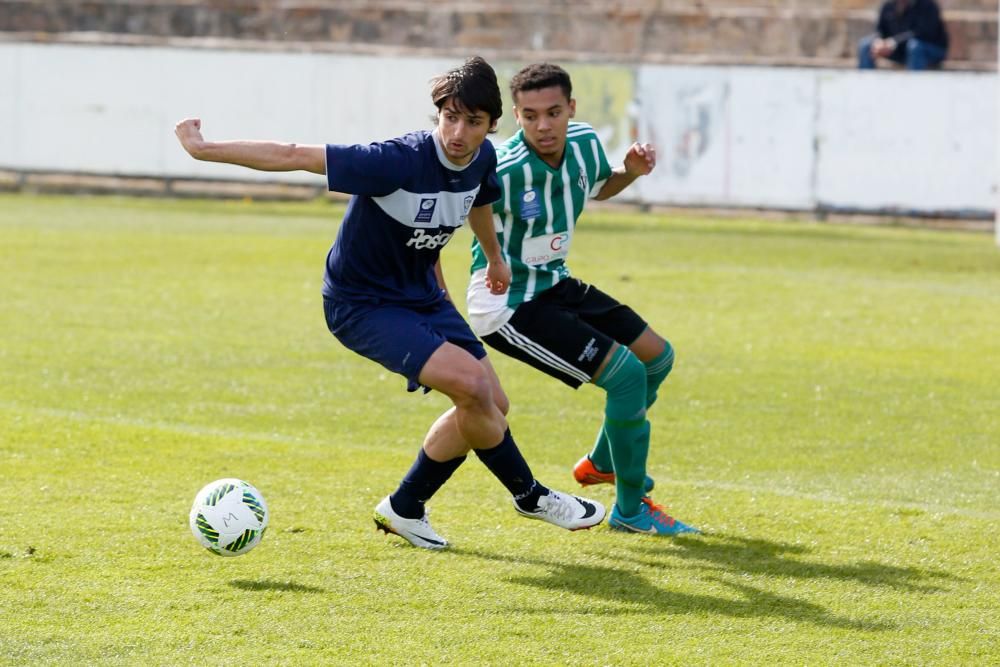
[484,6]
[745,31]
[973,35]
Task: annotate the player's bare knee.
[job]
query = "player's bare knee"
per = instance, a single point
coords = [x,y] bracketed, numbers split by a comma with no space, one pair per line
[502,402]
[472,390]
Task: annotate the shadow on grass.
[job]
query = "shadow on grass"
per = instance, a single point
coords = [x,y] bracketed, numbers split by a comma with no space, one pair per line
[265,585]
[630,593]
[741,555]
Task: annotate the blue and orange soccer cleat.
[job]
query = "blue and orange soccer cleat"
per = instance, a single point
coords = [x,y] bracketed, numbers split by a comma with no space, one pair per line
[586,473]
[651,519]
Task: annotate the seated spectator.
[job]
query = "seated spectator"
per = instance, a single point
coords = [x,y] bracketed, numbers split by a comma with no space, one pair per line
[909,32]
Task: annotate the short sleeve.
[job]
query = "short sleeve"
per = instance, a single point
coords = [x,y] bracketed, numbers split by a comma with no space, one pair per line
[375,170]
[603,167]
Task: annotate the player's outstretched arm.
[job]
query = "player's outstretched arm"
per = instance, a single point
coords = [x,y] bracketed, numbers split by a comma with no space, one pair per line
[640,160]
[497,270]
[262,155]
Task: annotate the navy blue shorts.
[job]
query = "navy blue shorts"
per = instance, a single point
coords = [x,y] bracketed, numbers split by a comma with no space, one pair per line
[402,339]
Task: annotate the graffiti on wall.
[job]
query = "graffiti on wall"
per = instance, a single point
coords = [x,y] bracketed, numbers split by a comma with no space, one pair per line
[699,112]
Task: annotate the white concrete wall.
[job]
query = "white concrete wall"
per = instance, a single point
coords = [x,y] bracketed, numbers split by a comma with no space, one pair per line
[805,138]
[113,109]
[925,141]
[727,136]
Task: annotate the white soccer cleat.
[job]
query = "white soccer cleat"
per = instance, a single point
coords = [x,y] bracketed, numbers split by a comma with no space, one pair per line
[417,532]
[566,511]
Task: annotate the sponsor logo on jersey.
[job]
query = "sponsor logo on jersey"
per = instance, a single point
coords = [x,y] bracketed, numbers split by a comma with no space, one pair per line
[544,249]
[589,351]
[423,241]
[531,204]
[426,212]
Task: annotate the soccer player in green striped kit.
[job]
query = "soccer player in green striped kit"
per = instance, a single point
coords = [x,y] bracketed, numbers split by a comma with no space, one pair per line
[559,324]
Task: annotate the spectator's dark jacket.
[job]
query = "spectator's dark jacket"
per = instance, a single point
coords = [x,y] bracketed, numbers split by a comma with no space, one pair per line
[920,19]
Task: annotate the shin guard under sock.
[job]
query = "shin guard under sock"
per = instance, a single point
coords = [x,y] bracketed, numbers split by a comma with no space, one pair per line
[508,465]
[624,378]
[422,481]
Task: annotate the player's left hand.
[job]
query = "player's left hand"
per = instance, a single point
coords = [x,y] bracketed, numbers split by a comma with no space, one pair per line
[640,159]
[498,277]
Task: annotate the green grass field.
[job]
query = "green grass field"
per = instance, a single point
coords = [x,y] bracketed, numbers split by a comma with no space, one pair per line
[832,424]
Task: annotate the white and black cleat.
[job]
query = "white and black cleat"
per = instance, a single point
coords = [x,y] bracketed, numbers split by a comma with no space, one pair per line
[417,532]
[566,511]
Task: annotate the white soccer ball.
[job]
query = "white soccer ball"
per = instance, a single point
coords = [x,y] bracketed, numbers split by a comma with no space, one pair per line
[229,517]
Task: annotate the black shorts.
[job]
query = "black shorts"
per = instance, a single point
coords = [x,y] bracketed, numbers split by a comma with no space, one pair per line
[567,331]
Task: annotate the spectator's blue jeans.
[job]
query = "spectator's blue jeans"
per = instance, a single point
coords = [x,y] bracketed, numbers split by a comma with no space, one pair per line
[915,54]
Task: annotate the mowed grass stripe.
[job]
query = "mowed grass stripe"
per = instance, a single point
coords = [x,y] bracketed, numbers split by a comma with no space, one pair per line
[292,441]
[831,423]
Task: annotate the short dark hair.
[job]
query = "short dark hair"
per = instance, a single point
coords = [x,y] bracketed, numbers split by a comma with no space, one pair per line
[473,85]
[541,75]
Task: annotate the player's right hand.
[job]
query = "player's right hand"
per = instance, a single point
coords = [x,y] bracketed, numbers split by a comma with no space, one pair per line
[188,132]
[498,277]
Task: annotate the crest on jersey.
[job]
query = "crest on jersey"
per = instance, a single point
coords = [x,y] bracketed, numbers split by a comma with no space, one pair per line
[583,181]
[531,205]
[466,207]
[426,211]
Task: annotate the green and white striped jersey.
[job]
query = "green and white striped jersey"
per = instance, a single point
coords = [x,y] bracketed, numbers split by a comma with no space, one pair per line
[535,219]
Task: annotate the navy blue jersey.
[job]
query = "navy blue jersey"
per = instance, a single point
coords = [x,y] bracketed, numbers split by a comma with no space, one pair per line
[408,200]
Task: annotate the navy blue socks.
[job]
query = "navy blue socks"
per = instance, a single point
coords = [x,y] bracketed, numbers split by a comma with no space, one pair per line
[422,481]
[508,465]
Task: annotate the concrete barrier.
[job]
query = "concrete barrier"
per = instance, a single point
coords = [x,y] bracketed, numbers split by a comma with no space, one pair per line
[798,139]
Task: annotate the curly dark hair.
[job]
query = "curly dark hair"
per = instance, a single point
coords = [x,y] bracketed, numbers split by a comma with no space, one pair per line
[541,75]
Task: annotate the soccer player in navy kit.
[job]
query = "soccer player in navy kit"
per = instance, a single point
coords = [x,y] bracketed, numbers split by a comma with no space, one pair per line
[383,295]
